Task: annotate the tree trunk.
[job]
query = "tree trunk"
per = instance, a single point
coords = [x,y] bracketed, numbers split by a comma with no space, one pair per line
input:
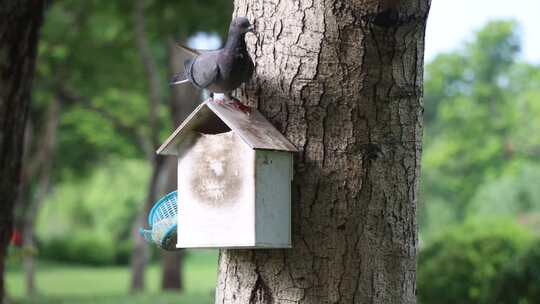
[171,262]
[140,254]
[44,158]
[184,99]
[19,26]
[342,79]
[171,270]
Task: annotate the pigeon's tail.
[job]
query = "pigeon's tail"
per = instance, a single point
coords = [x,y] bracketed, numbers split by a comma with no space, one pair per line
[178,79]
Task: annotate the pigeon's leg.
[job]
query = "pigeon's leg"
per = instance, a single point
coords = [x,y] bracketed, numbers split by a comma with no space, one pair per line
[230,100]
[218,100]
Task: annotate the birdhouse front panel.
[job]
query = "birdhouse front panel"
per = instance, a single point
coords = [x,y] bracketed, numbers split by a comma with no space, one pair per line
[216,192]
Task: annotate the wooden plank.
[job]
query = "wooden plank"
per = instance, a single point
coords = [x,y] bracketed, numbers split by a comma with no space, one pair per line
[216,186]
[212,118]
[273,198]
[169,146]
[253,128]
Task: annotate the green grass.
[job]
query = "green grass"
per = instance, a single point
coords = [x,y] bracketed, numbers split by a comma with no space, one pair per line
[61,283]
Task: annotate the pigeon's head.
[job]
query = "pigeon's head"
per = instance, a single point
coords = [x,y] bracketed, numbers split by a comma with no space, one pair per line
[241,25]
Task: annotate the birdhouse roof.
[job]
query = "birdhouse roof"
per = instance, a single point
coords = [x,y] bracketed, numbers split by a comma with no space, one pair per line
[214,118]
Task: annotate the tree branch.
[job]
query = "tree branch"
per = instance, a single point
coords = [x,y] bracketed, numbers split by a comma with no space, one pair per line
[150,67]
[68,96]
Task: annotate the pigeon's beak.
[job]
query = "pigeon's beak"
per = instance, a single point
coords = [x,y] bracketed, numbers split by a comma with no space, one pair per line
[251,29]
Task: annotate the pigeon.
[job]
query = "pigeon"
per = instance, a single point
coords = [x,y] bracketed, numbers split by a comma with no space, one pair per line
[223,70]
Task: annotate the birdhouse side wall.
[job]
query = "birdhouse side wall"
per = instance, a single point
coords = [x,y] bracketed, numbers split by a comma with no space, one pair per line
[273,179]
[216,189]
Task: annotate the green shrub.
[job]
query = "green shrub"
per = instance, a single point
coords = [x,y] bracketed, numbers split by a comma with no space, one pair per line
[82,248]
[89,220]
[54,249]
[462,265]
[92,249]
[106,203]
[123,252]
[520,279]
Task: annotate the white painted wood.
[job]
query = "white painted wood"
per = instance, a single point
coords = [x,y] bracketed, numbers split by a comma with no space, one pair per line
[234,179]
[273,198]
[216,189]
[202,120]
[253,128]
[231,196]
[212,117]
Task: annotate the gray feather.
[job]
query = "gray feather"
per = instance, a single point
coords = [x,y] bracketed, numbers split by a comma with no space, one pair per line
[179,82]
[223,70]
[189,50]
[178,78]
[203,70]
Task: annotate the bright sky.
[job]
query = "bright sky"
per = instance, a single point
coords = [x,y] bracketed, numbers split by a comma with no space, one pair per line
[453,21]
[205,41]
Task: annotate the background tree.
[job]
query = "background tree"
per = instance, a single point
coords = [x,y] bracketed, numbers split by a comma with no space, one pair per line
[95,130]
[343,81]
[139,258]
[19,26]
[38,162]
[182,101]
[481,172]
[481,108]
[178,108]
[463,264]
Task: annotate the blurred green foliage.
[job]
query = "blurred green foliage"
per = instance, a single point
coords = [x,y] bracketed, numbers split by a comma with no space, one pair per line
[480,200]
[519,281]
[103,203]
[514,194]
[481,111]
[89,220]
[88,59]
[463,264]
[77,284]
[165,297]
[80,248]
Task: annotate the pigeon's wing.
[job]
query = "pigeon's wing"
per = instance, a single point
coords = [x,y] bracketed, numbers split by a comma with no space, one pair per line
[203,70]
[189,50]
[192,51]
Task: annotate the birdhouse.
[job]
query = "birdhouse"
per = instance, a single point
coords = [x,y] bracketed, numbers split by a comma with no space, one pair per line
[234,179]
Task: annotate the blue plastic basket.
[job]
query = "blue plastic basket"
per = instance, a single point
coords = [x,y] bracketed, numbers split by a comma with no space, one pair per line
[162,221]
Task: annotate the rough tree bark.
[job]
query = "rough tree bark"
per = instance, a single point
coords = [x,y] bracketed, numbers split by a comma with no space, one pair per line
[184,99]
[19,27]
[342,79]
